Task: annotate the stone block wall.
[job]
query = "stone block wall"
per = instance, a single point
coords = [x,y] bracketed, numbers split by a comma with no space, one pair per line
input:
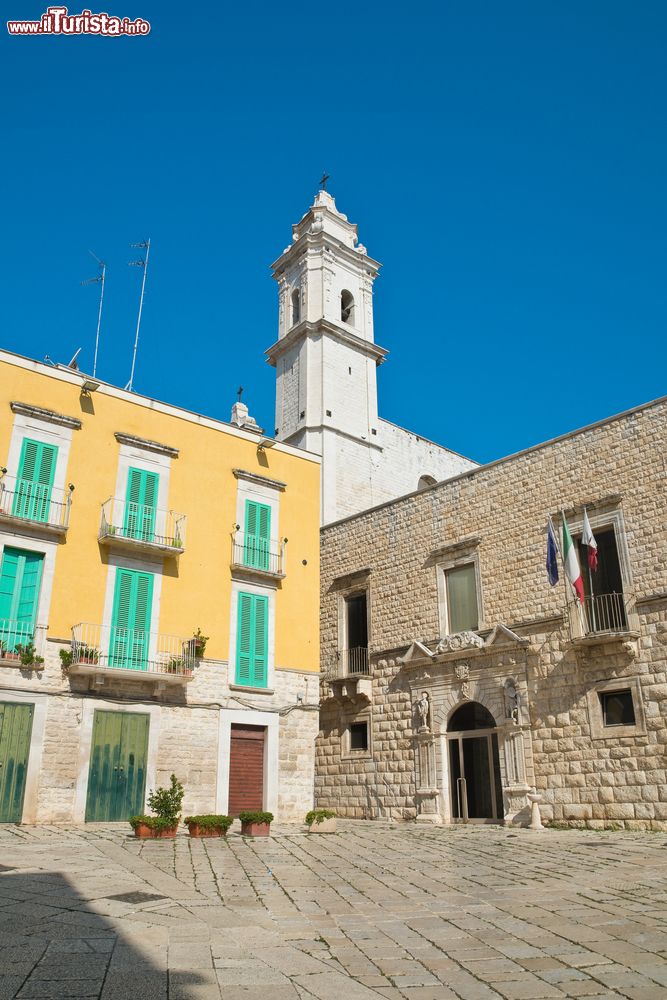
[617,469]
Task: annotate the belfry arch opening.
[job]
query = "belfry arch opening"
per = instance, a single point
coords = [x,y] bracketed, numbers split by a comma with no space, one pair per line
[296,306]
[347,307]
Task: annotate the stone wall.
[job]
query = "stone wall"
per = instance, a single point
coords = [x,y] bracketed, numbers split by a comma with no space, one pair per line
[187,724]
[498,514]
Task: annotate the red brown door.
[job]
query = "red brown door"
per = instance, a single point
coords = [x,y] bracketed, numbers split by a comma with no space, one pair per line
[246,769]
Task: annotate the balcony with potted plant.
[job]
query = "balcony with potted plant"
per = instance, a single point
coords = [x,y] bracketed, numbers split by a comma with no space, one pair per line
[136,527]
[149,658]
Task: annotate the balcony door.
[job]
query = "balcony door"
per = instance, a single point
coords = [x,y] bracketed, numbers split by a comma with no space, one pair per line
[131,620]
[604,608]
[20,578]
[140,505]
[34,482]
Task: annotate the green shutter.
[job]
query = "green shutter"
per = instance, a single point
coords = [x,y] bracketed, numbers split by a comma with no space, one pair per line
[20,578]
[15,732]
[117,773]
[252,640]
[131,619]
[37,466]
[257,535]
[140,504]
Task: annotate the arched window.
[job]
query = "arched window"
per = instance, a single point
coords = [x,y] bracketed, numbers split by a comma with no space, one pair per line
[347,307]
[296,306]
[425,481]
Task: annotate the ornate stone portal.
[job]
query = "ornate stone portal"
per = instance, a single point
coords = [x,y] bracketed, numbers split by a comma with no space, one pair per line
[464,667]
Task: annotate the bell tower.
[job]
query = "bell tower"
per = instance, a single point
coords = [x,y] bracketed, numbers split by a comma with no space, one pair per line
[325,356]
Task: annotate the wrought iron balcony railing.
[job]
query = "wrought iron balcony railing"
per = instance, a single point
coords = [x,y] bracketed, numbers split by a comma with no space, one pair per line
[137,525]
[600,614]
[253,553]
[21,499]
[101,648]
[349,663]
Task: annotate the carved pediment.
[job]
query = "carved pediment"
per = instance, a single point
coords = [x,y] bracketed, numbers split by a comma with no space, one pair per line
[458,641]
[501,635]
[417,653]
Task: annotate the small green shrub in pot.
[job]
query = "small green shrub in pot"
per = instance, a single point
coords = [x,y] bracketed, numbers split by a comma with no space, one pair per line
[321,821]
[208,826]
[255,823]
[166,804]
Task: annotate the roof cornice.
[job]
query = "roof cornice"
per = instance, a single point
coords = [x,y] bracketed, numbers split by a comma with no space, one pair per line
[328,328]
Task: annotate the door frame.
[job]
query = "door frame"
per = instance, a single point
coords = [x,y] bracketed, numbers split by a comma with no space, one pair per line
[271,722]
[88,706]
[458,737]
[34,768]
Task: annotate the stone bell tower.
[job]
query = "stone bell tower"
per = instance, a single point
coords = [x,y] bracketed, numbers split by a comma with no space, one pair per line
[325,357]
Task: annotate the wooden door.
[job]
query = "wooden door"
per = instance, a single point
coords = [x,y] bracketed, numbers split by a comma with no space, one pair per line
[15,732]
[117,775]
[246,769]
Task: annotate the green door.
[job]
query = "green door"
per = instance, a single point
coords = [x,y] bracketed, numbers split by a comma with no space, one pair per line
[117,775]
[140,505]
[131,620]
[257,535]
[20,577]
[37,467]
[15,730]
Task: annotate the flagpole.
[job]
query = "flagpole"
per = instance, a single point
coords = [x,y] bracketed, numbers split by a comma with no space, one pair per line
[576,601]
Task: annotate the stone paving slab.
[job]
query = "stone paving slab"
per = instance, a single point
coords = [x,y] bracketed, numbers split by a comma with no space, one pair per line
[393,911]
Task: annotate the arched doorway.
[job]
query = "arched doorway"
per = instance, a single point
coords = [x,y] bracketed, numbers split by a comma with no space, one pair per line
[474,765]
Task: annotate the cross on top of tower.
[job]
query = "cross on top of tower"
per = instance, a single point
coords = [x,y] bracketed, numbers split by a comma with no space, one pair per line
[323,181]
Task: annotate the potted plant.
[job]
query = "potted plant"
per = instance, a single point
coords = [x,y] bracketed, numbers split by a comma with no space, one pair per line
[321,821]
[166,804]
[66,657]
[8,654]
[87,654]
[255,824]
[28,656]
[175,665]
[208,826]
[199,643]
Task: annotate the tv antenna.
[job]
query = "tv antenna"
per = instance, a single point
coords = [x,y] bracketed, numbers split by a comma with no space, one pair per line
[99,280]
[144,245]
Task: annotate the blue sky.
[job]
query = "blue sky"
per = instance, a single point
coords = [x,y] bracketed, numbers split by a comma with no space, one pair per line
[505,162]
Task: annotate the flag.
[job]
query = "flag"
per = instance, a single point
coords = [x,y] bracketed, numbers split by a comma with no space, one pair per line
[588,539]
[552,555]
[571,563]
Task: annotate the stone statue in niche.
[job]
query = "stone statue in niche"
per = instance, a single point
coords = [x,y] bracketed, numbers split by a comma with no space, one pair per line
[423,711]
[513,701]
[462,671]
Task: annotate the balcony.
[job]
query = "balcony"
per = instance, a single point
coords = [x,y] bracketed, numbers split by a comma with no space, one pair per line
[43,508]
[103,651]
[138,528]
[18,639]
[349,675]
[254,556]
[600,618]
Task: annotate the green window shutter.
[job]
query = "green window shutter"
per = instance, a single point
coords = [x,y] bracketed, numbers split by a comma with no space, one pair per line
[37,466]
[252,640]
[20,578]
[140,504]
[244,634]
[257,534]
[261,643]
[131,619]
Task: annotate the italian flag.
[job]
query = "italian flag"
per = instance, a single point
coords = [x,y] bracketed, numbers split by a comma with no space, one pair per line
[571,563]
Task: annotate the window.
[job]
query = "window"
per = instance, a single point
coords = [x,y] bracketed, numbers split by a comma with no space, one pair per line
[34,482]
[252,640]
[425,481]
[604,607]
[358,736]
[347,307]
[20,578]
[296,306]
[461,586]
[257,537]
[354,657]
[140,505]
[617,708]
[131,620]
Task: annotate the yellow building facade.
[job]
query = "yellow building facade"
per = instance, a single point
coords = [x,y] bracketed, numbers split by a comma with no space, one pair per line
[129,529]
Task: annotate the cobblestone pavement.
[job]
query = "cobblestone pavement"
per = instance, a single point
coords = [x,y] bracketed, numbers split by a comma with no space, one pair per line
[428,913]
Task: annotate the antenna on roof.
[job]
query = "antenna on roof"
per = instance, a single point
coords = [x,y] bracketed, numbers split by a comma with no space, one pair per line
[95,281]
[73,363]
[144,245]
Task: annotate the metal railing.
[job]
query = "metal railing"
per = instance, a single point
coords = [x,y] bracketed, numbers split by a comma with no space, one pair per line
[138,522]
[115,648]
[21,498]
[15,637]
[252,552]
[599,614]
[349,663]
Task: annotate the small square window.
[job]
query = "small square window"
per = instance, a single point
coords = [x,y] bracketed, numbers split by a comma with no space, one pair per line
[359,736]
[617,708]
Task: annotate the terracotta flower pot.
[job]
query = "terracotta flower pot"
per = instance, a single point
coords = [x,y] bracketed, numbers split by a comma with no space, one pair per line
[255,829]
[207,831]
[12,657]
[146,832]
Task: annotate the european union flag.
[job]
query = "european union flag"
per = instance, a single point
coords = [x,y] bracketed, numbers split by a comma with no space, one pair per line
[552,555]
